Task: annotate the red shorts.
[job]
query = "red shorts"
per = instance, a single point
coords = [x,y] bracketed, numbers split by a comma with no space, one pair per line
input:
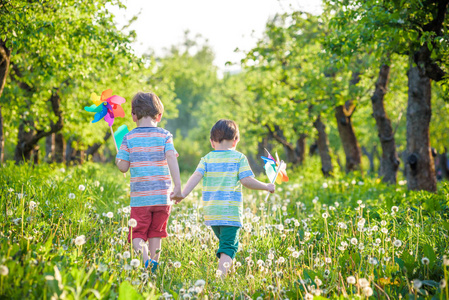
[151,222]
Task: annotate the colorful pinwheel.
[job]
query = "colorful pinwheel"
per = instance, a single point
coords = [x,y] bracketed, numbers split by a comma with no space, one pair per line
[275,169]
[106,106]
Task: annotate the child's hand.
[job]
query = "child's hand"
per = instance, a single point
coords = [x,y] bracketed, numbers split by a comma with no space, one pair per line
[271,187]
[176,195]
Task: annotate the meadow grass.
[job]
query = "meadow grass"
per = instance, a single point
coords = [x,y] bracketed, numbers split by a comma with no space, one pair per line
[63,235]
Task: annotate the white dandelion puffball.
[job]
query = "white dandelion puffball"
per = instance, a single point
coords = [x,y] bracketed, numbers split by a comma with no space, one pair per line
[110,215]
[351,280]
[354,241]
[271,256]
[425,261]
[80,240]
[177,264]
[102,268]
[71,196]
[328,260]
[4,271]
[397,243]
[308,296]
[132,223]
[445,260]
[126,254]
[394,209]
[295,254]
[218,273]
[125,210]
[363,282]
[325,215]
[200,282]
[281,260]
[135,262]
[81,187]
[33,205]
[226,265]
[417,283]
[368,291]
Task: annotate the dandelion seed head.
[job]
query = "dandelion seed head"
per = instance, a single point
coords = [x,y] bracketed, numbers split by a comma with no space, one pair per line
[4,271]
[132,223]
[135,262]
[80,240]
[363,282]
[397,243]
[367,291]
[417,283]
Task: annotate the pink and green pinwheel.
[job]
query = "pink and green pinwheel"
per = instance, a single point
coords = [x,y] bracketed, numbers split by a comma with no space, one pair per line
[106,106]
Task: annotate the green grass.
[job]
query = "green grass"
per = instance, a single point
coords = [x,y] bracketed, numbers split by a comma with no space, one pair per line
[304,240]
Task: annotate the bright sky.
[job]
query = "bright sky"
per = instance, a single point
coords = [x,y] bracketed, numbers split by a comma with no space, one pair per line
[226,25]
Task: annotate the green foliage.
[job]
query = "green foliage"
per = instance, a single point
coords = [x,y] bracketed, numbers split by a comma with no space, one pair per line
[299,241]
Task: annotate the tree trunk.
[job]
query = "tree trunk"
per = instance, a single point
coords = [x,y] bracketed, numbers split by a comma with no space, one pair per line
[443,164]
[278,135]
[255,162]
[323,148]
[59,148]
[301,148]
[313,148]
[5,57]
[419,164]
[389,162]
[2,139]
[50,148]
[349,142]
[370,156]
[69,152]
[36,155]
[27,141]
[94,148]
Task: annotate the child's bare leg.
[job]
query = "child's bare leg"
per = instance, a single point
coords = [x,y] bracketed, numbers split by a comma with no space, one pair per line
[140,245]
[154,245]
[224,264]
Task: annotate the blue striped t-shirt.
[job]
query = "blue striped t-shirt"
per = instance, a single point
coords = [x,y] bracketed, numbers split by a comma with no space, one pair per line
[145,148]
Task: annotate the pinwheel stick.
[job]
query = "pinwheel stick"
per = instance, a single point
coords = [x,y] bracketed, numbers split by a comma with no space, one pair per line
[112,133]
[115,144]
[274,179]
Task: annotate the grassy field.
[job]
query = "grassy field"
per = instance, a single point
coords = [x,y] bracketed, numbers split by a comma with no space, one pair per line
[63,235]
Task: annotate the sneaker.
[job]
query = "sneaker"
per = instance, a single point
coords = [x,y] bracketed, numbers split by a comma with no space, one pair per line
[153,263]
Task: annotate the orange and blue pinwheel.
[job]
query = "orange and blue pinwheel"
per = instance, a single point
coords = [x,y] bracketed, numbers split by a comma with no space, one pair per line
[106,106]
[275,169]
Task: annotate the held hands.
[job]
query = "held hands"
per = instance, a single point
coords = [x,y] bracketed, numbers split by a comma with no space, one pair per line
[176,195]
[271,187]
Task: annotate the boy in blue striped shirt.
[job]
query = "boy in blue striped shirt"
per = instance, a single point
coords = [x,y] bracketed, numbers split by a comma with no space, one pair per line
[148,152]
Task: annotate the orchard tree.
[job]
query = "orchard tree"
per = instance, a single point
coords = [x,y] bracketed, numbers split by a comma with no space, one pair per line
[60,52]
[415,29]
